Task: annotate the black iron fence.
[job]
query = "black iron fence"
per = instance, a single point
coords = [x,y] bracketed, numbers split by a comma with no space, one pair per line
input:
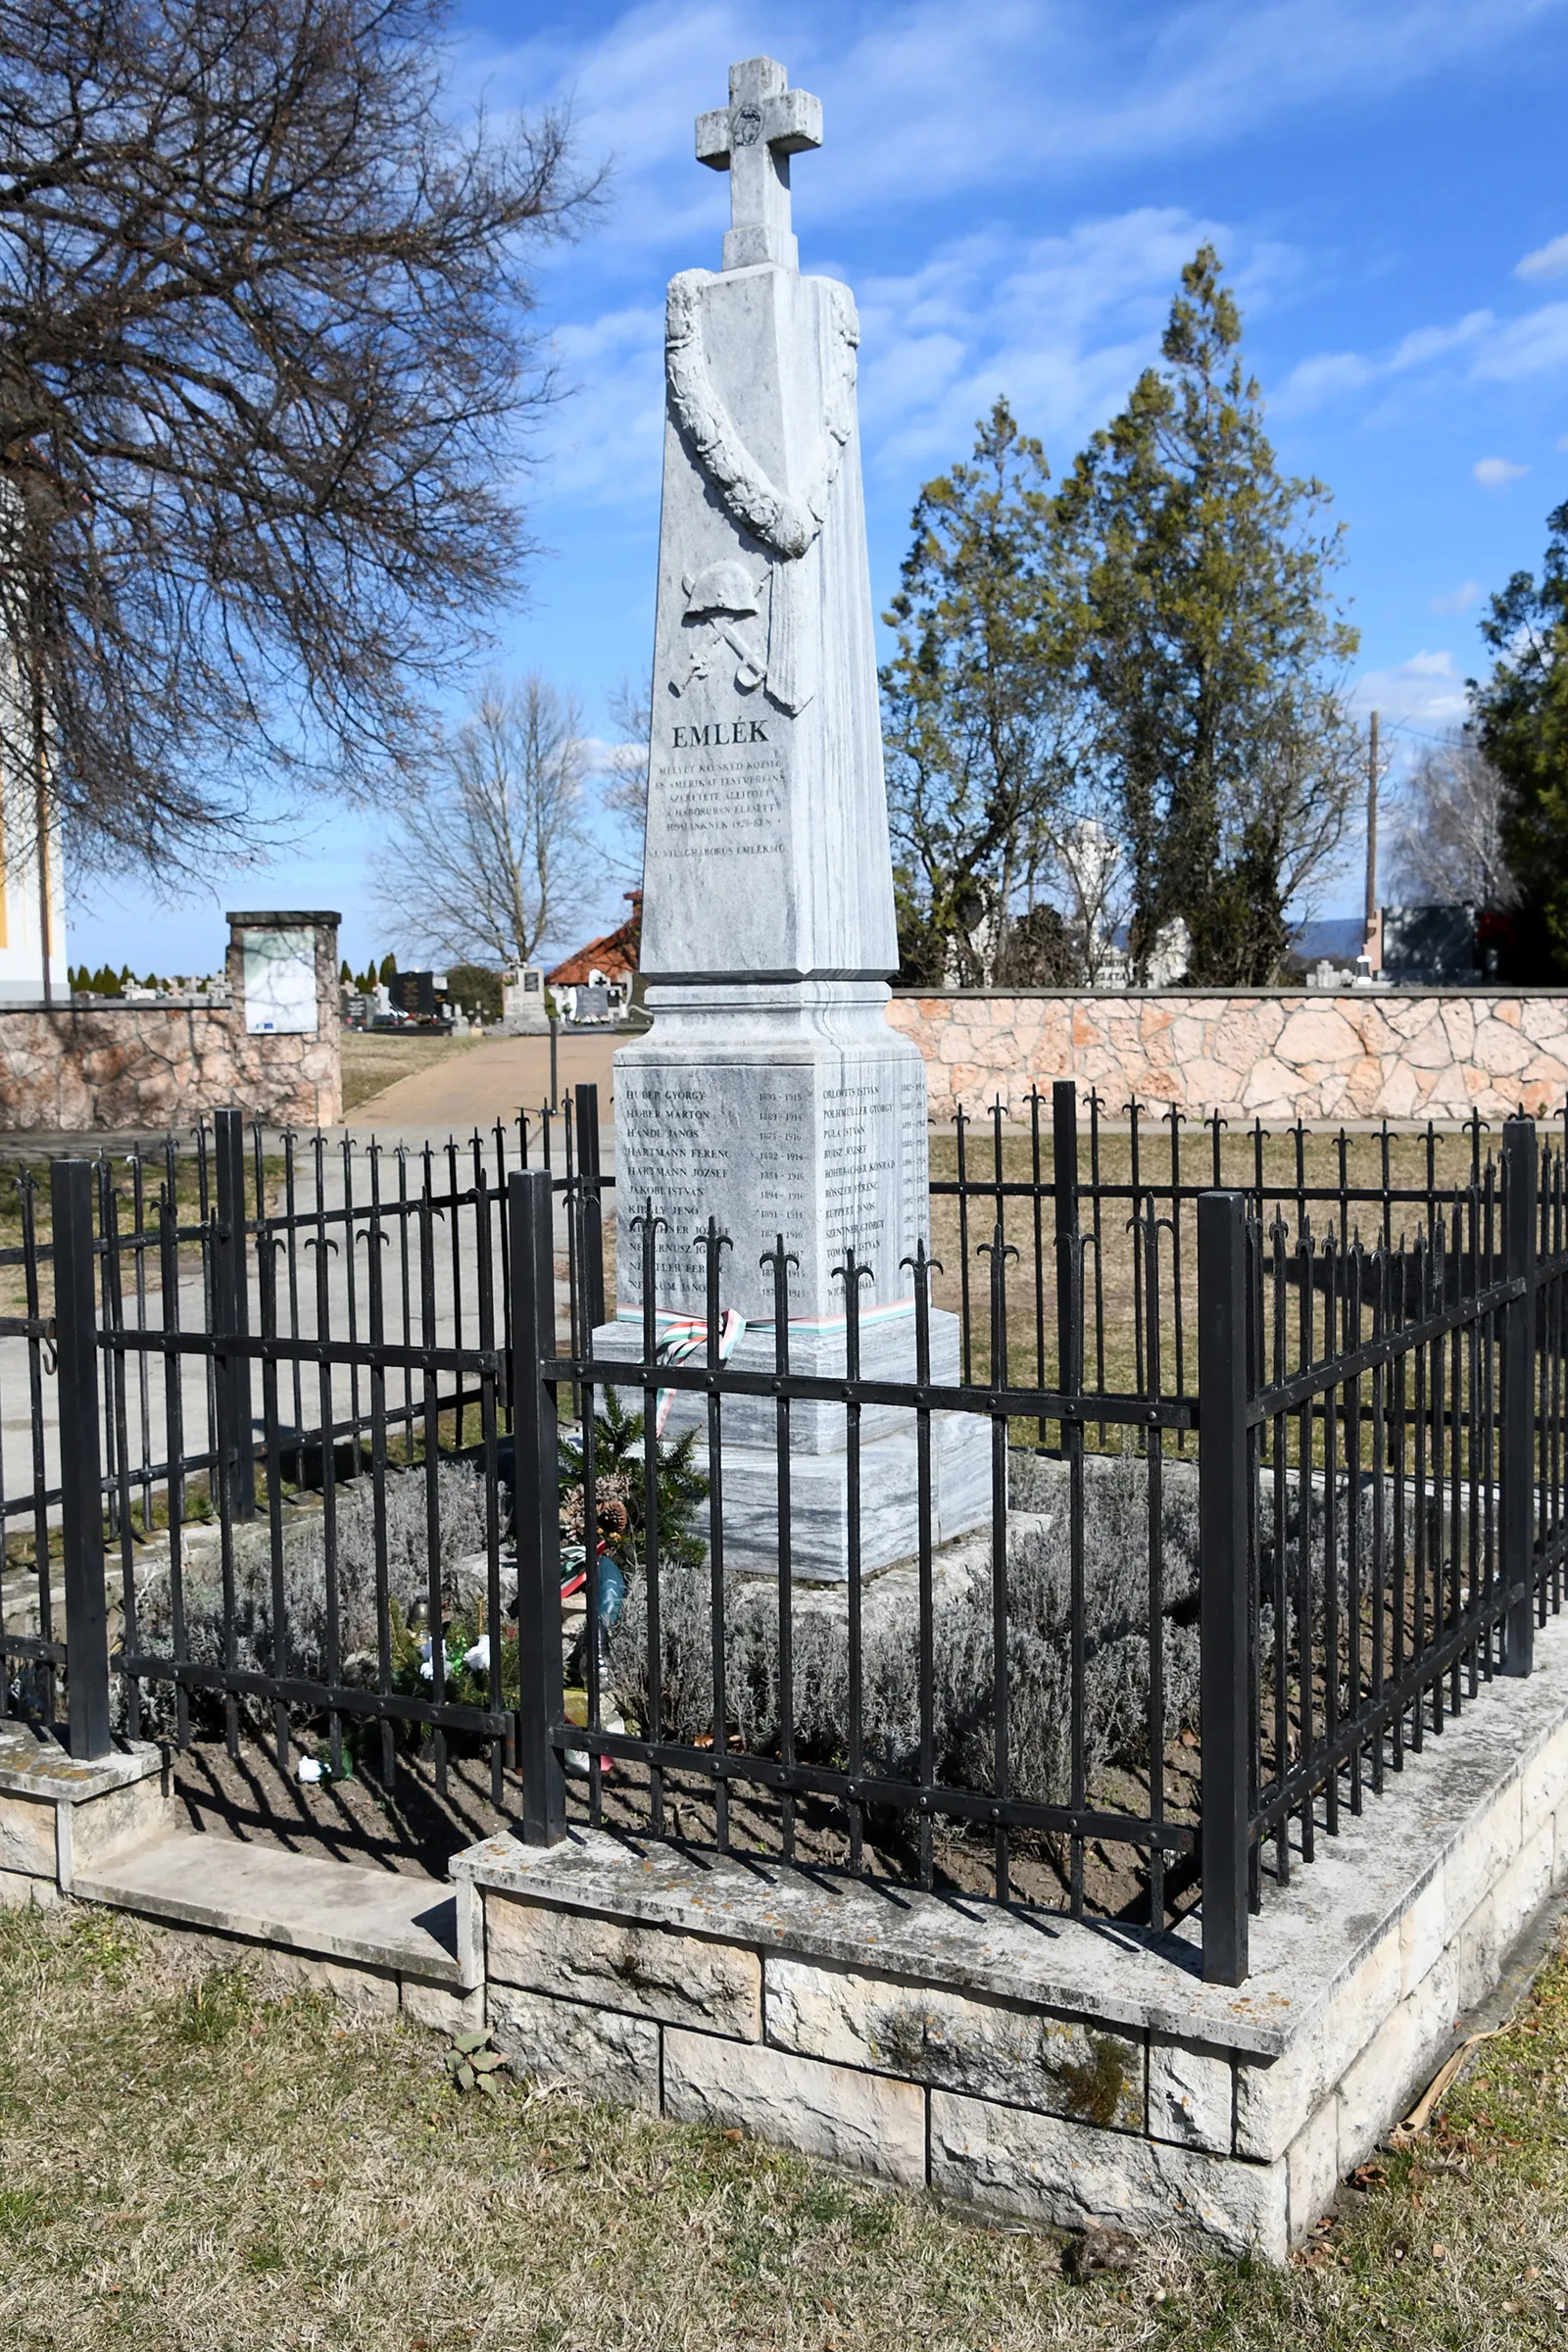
[211,1336]
[1048,1168]
[1173,1681]
[1382,1480]
[1266,1479]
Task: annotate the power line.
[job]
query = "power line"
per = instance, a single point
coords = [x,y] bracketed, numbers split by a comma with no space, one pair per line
[1402,726]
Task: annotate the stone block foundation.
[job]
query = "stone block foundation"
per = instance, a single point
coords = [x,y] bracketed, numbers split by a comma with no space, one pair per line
[1054,2071]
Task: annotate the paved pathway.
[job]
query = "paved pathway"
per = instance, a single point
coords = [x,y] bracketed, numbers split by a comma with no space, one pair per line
[493,1080]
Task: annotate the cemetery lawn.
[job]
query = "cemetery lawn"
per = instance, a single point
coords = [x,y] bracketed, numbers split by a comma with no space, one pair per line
[193,2161]
[376,1058]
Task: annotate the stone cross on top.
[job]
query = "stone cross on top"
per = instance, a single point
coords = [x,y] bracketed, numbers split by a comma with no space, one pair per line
[752,138]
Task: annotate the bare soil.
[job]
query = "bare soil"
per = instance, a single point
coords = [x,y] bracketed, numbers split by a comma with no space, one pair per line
[414,1827]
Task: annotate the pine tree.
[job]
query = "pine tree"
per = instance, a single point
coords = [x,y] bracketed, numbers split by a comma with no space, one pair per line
[1521,718]
[1204,630]
[975,721]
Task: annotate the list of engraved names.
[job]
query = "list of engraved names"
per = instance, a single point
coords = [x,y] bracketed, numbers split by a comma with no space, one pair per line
[823,1159]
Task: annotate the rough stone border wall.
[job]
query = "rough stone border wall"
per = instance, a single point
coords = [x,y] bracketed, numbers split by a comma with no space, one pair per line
[1274,1054]
[124,1067]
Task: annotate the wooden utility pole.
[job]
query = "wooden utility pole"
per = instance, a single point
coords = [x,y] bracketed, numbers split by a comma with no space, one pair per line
[1372,848]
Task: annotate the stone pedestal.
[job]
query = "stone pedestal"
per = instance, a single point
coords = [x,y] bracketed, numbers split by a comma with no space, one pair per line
[820,1466]
[788,1110]
[772,1093]
[524,1003]
[62,1818]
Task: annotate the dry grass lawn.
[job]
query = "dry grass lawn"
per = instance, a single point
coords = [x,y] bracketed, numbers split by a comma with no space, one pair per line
[193,2163]
[1116,1295]
[376,1058]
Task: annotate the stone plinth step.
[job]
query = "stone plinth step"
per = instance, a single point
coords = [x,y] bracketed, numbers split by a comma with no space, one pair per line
[37,1764]
[374,1919]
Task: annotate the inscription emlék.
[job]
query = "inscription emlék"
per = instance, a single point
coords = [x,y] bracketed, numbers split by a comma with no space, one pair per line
[717,731]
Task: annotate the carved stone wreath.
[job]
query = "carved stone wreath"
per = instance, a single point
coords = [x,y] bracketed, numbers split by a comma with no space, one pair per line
[785,524]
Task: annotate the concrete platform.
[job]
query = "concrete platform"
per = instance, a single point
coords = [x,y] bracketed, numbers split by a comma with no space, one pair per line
[34,1764]
[403,1927]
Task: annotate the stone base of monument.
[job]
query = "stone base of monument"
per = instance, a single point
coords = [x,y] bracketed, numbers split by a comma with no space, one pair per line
[818,1449]
[1048,2069]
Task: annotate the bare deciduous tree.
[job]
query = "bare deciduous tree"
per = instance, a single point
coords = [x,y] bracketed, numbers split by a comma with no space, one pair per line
[264,348]
[485,862]
[1446,845]
[625,792]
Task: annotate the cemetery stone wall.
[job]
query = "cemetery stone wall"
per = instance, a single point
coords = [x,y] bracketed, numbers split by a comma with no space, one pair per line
[1271,1053]
[101,1064]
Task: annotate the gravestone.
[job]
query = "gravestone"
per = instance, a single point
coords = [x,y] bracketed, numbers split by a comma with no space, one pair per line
[423,996]
[523,1007]
[770,1091]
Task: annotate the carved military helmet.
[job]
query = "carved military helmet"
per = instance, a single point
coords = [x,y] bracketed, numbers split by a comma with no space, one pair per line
[724,587]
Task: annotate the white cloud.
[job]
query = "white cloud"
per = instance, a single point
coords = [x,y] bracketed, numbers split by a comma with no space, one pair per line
[1534,345]
[1547,261]
[1496,473]
[1457,600]
[1060,325]
[603,441]
[1426,693]
[1497,351]
[922,98]
[1313,381]
[1428,343]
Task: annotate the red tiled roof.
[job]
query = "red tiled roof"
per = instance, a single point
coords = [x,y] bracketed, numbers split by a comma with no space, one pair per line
[615,955]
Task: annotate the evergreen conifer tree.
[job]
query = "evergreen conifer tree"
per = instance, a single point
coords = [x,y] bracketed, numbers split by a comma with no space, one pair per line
[976,717]
[1207,641]
[1521,718]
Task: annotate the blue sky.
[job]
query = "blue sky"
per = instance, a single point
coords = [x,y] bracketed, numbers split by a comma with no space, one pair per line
[1010,189]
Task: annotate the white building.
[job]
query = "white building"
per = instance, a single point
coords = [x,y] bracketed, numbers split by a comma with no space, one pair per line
[32,906]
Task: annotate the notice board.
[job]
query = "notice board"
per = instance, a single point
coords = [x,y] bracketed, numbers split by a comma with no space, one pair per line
[279,982]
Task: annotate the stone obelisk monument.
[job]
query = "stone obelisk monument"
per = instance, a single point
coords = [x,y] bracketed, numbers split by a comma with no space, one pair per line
[771,1091]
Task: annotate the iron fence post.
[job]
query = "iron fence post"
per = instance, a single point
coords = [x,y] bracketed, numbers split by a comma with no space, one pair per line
[231,1315]
[589,1181]
[1065,1186]
[81,1501]
[1518,1448]
[536,1505]
[1222,1523]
